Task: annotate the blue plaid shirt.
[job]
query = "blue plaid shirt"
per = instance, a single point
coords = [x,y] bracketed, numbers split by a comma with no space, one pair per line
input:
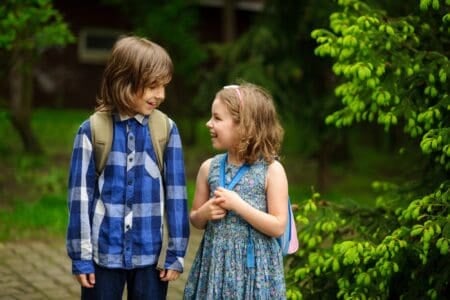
[115,219]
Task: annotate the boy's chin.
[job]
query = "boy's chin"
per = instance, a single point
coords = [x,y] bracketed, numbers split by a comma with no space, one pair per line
[146,112]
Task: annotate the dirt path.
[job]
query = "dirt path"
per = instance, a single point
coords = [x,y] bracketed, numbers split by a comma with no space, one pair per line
[32,270]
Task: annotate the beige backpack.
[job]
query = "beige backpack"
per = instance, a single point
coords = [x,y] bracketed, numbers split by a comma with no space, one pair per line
[102,133]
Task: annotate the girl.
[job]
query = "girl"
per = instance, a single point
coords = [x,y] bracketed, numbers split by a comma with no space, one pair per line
[240,201]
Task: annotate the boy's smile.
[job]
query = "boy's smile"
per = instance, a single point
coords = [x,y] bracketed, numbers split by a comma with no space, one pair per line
[150,99]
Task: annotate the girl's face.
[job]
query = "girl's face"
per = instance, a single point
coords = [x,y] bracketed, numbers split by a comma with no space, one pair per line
[150,99]
[222,128]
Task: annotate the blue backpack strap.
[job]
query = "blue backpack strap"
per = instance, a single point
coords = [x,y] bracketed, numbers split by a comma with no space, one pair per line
[242,170]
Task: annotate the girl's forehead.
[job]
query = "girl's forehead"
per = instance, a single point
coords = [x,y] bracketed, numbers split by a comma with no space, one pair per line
[219,107]
[218,104]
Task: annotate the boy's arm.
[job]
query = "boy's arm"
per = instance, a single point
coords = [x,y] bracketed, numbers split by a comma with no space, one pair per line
[82,179]
[176,201]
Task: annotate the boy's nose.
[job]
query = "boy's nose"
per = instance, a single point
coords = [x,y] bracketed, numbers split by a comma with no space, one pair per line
[160,92]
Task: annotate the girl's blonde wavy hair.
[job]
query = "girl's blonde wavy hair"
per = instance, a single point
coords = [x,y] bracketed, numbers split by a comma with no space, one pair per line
[134,64]
[253,110]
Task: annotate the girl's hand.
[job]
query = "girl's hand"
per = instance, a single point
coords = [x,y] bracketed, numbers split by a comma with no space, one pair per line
[212,210]
[229,199]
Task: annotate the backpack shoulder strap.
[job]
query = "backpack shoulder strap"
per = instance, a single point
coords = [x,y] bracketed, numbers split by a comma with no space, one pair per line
[159,127]
[102,132]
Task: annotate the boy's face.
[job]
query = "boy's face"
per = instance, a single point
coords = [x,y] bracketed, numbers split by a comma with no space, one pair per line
[150,99]
[222,128]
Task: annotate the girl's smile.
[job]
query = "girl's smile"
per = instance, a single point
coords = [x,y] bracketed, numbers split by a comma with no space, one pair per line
[222,127]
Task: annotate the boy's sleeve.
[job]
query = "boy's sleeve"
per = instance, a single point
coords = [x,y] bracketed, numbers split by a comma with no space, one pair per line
[81,185]
[176,201]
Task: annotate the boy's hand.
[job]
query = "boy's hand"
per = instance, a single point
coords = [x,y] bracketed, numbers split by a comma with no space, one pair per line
[86,280]
[168,275]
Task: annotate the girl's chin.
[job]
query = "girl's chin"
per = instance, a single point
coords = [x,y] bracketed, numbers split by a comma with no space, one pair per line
[216,145]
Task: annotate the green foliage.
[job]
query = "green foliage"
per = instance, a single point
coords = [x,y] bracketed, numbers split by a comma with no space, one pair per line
[27,28]
[393,69]
[277,53]
[172,24]
[31,25]
[394,72]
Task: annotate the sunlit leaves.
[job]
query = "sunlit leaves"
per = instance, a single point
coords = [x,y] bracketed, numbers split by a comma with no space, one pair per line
[393,71]
[426,4]
[382,60]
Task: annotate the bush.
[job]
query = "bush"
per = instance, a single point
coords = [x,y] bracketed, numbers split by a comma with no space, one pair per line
[394,72]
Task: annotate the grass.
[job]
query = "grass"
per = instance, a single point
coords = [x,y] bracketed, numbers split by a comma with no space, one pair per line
[33,188]
[34,220]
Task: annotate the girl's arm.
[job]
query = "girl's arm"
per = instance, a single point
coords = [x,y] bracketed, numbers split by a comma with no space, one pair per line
[274,221]
[203,208]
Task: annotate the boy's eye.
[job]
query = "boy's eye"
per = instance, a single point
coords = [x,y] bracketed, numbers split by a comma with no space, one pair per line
[155,85]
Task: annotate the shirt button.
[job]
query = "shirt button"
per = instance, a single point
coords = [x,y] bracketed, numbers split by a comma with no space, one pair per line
[130,159]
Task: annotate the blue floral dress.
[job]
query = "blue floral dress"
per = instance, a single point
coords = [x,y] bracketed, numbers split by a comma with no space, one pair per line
[220,269]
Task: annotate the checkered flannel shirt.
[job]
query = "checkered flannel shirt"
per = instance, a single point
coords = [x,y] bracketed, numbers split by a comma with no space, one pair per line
[115,218]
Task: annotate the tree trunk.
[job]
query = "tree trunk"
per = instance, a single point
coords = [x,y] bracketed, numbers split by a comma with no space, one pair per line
[229,21]
[21,94]
[331,149]
[323,167]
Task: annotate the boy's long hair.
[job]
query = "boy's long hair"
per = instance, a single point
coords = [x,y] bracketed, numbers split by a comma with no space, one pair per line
[134,64]
[260,132]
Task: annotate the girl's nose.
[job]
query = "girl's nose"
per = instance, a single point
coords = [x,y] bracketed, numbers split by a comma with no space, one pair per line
[208,123]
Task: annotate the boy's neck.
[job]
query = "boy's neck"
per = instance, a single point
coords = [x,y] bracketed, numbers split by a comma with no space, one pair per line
[139,117]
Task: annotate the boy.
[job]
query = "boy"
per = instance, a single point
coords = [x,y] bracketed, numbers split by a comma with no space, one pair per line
[114,234]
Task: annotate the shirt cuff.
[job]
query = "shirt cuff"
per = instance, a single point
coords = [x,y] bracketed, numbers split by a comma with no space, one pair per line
[82,267]
[174,262]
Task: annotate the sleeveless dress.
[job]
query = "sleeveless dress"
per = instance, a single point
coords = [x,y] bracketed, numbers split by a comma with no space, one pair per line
[219,270]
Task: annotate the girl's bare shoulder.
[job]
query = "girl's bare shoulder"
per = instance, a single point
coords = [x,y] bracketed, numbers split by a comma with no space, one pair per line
[204,167]
[276,167]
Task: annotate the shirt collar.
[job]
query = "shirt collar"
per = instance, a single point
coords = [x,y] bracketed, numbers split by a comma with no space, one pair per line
[143,120]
